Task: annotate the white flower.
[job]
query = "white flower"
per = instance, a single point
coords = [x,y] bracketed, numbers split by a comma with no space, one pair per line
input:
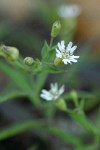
[69,11]
[66,54]
[53,94]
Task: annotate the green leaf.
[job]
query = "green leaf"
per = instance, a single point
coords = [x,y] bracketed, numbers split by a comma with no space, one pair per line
[19,128]
[17,76]
[81,119]
[44,51]
[65,136]
[98,120]
[82,102]
[10,94]
[51,55]
[41,77]
[87,147]
[21,80]
[51,69]
[47,55]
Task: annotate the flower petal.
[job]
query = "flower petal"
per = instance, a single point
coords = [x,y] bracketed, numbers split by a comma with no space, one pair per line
[59,46]
[46,95]
[73,49]
[75,56]
[58,54]
[63,44]
[69,46]
[61,90]
[48,98]
[73,60]
[54,88]
[66,61]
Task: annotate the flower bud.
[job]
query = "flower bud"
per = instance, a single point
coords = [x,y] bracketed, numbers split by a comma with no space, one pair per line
[55,29]
[74,95]
[58,62]
[10,53]
[29,61]
[61,104]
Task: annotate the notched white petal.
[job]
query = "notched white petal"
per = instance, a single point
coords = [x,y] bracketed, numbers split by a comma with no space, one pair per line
[65,61]
[73,59]
[73,49]
[59,46]
[61,90]
[63,44]
[69,46]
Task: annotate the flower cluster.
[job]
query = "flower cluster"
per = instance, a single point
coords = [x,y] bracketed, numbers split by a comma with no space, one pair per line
[65,54]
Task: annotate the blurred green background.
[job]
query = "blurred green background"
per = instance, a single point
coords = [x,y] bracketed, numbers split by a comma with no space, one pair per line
[26,24]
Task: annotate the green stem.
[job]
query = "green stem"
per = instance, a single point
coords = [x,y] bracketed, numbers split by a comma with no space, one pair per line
[41,78]
[35,99]
[51,42]
[81,119]
[18,64]
[97,139]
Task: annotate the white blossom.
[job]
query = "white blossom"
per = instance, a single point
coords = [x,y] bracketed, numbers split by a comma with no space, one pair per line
[66,53]
[69,11]
[52,94]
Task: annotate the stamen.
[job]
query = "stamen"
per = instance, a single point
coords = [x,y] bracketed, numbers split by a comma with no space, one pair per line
[65,54]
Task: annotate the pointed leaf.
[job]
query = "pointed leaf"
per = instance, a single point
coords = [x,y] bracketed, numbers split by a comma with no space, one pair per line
[44,51]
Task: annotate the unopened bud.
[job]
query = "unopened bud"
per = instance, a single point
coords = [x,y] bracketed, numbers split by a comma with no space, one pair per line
[74,95]
[10,53]
[29,61]
[58,62]
[61,104]
[55,29]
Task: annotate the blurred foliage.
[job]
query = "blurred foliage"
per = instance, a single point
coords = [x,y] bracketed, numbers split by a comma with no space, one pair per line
[82,77]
